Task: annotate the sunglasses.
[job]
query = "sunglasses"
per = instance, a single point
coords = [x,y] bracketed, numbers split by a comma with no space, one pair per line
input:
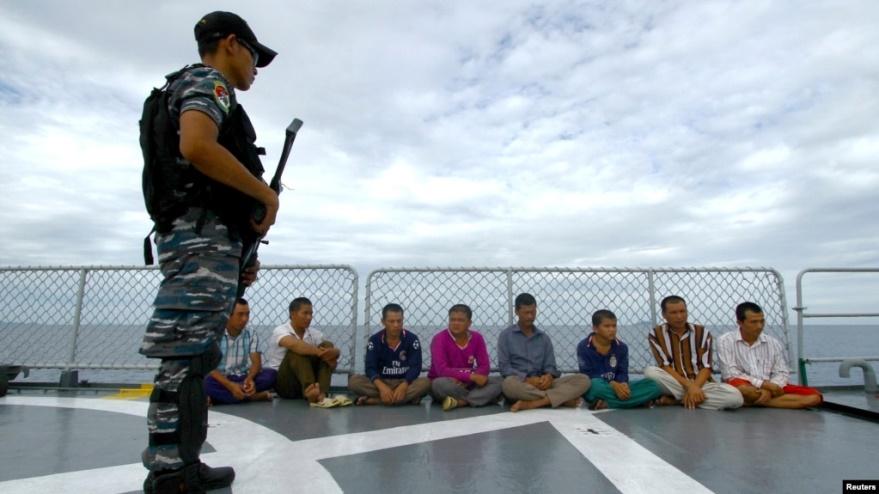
[253,53]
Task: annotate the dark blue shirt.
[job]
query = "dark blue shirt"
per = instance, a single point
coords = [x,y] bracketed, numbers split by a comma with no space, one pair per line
[611,367]
[402,362]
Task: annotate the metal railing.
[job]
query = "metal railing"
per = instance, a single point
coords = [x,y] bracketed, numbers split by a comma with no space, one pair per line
[566,299]
[93,317]
[802,315]
[73,318]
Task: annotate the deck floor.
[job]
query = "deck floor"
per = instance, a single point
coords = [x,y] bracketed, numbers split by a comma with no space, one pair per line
[89,443]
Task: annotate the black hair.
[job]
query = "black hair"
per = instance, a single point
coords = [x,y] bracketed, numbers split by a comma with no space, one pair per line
[524,299]
[747,307]
[391,308]
[241,301]
[671,299]
[600,315]
[208,46]
[463,308]
[299,302]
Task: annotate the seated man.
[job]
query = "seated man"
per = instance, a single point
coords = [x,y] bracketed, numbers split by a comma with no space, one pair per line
[683,355]
[240,376]
[527,363]
[459,365]
[303,358]
[605,359]
[393,363]
[754,363]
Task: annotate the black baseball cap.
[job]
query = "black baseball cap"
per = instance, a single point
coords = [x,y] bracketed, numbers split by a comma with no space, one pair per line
[221,24]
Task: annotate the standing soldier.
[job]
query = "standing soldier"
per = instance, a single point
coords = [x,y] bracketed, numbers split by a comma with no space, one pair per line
[201,182]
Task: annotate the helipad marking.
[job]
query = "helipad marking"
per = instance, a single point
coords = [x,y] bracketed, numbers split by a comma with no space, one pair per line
[254,450]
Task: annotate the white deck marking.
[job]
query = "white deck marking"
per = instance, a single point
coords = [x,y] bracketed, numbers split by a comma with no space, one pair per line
[632,468]
[629,466]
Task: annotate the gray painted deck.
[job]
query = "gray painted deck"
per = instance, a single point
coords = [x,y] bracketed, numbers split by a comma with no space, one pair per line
[58,444]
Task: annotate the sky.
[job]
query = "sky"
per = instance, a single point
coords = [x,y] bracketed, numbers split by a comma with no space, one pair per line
[473,134]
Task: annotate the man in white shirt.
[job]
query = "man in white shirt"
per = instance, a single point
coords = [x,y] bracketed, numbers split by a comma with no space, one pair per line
[755,364]
[303,358]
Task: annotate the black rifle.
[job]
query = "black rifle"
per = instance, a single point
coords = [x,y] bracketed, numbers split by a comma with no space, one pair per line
[248,254]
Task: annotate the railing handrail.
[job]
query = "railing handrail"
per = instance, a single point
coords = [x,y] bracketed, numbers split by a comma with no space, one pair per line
[774,283]
[800,309]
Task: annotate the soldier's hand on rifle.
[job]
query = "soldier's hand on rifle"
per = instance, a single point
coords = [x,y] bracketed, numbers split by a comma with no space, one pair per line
[249,275]
[271,204]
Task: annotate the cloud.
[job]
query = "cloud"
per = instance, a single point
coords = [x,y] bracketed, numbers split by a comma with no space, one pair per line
[445,134]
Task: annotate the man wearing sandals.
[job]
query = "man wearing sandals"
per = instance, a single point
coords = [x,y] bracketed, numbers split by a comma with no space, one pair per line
[459,365]
[304,359]
[393,364]
[605,359]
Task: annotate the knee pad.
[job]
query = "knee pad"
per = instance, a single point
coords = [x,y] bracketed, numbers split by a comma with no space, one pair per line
[192,408]
[192,427]
[202,364]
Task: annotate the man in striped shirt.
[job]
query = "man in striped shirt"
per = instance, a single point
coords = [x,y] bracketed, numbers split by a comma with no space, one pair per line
[755,364]
[683,358]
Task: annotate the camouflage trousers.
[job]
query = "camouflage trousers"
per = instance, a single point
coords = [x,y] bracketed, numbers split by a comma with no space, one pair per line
[200,272]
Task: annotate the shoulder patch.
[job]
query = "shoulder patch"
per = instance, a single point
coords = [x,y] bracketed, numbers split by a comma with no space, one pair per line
[221,96]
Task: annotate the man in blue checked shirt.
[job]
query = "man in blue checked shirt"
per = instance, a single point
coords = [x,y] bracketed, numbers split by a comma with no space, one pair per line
[240,376]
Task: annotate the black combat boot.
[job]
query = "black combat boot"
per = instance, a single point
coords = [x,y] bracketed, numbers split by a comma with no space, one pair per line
[196,478]
[210,478]
[165,482]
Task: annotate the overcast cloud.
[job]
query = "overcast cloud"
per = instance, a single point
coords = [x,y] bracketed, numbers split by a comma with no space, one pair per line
[618,133]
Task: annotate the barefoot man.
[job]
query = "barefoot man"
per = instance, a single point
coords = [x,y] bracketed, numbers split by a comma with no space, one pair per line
[527,363]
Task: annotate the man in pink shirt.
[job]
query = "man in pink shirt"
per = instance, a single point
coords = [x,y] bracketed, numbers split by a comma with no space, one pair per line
[459,364]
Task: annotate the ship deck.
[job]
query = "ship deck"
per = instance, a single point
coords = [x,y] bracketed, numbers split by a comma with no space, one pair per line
[90,441]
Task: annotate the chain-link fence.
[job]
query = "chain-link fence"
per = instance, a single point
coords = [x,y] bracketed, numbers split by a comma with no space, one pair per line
[94,317]
[566,299]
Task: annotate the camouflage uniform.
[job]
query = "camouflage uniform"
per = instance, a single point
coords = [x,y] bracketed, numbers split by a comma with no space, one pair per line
[200,262]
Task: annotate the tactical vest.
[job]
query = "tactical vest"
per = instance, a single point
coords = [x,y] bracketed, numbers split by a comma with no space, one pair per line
[171,186]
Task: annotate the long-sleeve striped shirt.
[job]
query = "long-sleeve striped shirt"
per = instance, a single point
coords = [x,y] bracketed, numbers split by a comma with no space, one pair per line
[686,354]
[764,360]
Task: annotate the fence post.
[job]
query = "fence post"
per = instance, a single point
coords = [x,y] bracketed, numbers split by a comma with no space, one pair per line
[354,320]
[70,376]
[511,310]
[651,289]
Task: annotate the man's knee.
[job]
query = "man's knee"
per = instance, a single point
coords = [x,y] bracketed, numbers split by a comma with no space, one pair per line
[654,373]
[512,386]
[723,395]
[442,386]
[581,382]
